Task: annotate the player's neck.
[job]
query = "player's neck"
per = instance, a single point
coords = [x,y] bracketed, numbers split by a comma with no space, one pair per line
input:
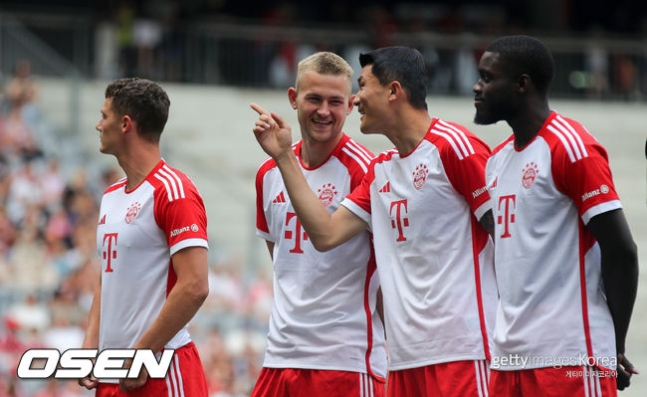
[138,165]
[528,123]
[409,133]
[313,153]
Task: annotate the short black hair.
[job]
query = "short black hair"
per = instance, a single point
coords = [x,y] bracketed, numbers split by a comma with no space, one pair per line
[144,101]
[525,55]
[403,64]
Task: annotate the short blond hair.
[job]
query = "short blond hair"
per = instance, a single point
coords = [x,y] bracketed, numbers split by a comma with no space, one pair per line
[325,62]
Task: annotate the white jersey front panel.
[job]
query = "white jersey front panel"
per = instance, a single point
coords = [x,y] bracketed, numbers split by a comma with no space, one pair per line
[434,259]
[137,234]
[552,307]
[324,312]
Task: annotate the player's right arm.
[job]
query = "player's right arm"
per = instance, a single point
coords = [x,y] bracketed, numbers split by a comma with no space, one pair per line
[325,231]
[91,340]
[487,221]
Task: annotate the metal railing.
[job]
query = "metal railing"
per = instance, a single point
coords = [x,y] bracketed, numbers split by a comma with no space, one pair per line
[246,53]
[254,55]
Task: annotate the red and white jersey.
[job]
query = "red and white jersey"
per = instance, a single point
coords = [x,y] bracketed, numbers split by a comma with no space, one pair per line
[324,311]
[434,258]
[138,232]
[552,304]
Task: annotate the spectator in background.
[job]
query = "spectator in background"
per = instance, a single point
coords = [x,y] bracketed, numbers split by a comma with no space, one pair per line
[597,65]
[21,90]
[147,36]
[625,76]
[124,19]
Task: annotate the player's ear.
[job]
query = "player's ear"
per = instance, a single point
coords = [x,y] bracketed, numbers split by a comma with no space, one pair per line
[523,83]
[395,90]
[127,123]
[351,104]
[292,96]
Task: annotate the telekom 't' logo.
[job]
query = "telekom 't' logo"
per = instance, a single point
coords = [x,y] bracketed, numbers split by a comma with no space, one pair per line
[507,205]
[110,251]
[298,234]
[399,211]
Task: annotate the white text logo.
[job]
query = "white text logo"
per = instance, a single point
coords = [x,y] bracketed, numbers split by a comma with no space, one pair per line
[80,363]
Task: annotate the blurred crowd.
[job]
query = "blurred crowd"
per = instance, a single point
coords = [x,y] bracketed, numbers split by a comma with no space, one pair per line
[599,51]
[49,266]
[173,41]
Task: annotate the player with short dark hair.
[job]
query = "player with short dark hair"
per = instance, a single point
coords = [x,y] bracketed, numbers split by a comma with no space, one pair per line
[566,262]
[152,241]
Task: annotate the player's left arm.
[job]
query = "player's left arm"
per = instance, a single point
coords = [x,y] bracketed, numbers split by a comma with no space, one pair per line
[620,278]
[619,258]
[182,303]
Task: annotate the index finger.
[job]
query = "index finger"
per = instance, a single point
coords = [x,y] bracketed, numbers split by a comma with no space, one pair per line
[259,109]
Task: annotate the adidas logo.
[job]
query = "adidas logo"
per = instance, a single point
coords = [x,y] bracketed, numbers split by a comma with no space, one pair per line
[386,188]
[103,220]
[280,198]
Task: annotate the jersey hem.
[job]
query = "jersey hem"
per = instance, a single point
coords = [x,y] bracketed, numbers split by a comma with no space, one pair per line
[379,374]
[191,242]
[600,209]
[424,363]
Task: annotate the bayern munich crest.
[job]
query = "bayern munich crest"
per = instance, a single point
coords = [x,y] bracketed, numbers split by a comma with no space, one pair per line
[529,175]
[327,194]
[420,176]
[132,212]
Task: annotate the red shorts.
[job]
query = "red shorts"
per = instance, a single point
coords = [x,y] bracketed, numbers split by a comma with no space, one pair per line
[457,378]
[296,382]
[185,378]
[554,382]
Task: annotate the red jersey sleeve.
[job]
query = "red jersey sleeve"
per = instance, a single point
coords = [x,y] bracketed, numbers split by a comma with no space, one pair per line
[361,195]
[580,169]
[464,157]
[180,211]
[261,220]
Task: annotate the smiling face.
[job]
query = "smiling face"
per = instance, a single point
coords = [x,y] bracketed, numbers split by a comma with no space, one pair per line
[371,100]
[494,92]
[322,102]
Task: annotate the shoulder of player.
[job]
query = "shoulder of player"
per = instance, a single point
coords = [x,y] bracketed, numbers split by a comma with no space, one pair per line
[117,185]
[568,137]
[265,166]
[352,153]
[451,137]
[506,143]
[174,183]
[385,156]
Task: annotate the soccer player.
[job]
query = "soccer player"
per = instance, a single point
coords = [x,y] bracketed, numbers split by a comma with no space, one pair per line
[423,201]
[152,239]
[566,263]
[325,335]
